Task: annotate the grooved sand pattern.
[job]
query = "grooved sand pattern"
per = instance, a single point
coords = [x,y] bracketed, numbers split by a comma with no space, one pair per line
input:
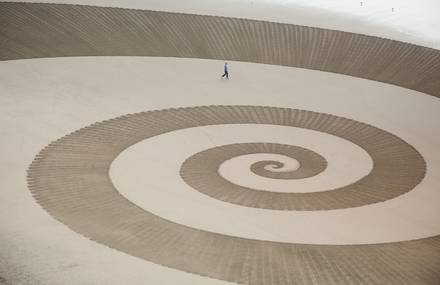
[30,30]
[69,178]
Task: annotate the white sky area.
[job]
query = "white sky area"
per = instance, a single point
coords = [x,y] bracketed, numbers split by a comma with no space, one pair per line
[414,21]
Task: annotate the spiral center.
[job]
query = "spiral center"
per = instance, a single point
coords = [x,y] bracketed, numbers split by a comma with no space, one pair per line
[277,166]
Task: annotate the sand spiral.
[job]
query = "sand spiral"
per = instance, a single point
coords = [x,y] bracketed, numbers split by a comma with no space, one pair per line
[69,178]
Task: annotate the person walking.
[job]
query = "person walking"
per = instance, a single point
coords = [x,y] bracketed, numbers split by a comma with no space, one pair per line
[226,71]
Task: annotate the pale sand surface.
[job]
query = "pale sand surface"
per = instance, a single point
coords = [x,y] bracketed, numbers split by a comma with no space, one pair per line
[45,99]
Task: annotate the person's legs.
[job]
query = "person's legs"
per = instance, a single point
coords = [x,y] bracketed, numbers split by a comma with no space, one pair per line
[227,74]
